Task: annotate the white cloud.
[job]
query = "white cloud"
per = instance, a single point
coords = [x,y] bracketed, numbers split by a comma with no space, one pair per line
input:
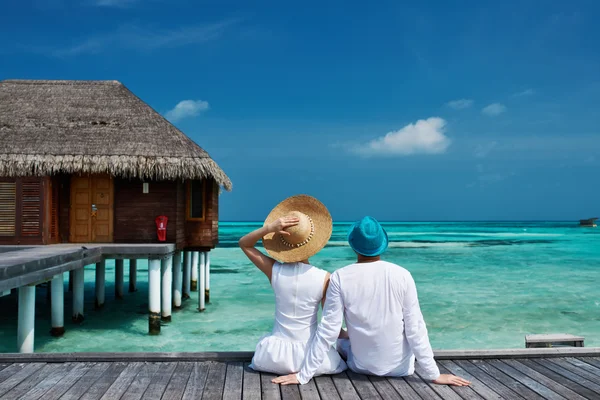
[526,92]
[133,37]
[115,3]
[423,137]
[186,109]
[482,150]
[494,109]
[460,104]
[485,178]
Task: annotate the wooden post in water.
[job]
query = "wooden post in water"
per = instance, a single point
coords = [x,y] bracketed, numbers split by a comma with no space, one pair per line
[100,283]
[187,270]
[177,280]
[154,296]
[119,278]
[58,305]
[207,291]
[194,284]
[167,288]
[132,275]
[202,274]
[26,323]
[78,286]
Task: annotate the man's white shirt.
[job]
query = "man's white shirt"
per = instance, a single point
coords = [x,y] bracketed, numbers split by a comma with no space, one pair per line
[379,302]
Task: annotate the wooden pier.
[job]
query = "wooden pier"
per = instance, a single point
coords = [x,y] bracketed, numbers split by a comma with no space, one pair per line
[24,267]
[572,374]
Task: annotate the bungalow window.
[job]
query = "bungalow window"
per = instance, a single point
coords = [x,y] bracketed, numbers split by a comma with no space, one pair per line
[8,208]
[195,200]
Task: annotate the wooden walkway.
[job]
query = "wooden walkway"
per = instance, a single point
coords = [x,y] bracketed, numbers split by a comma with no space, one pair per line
[25,265]
[569,378]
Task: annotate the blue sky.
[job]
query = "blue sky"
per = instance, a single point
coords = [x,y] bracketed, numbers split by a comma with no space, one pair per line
[402,110]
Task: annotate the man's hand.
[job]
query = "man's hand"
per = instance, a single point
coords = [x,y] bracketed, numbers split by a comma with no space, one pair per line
[286,380]
[447,379]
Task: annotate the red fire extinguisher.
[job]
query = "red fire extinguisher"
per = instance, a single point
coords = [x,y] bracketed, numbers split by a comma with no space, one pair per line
[161,227]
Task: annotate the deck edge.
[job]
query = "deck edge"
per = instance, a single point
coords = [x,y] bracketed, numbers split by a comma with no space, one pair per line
[247,355]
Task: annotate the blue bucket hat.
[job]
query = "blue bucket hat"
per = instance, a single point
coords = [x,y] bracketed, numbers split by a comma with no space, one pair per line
[367,237]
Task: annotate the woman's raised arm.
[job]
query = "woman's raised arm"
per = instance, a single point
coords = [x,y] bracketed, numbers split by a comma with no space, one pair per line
[247,243]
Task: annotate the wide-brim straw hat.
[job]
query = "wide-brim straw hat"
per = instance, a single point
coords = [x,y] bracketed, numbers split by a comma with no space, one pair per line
[305,239]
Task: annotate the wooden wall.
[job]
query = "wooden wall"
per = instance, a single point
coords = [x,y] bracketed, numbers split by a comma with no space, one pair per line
[204,235]
[180,212]
[45,218]
[64,205]
[51,210]
[135,211]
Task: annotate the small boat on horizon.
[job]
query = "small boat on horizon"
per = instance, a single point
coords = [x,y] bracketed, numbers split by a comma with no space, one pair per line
[588,222]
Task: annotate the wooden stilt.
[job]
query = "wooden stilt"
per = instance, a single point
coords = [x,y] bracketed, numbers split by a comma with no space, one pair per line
[100,283]
[58,305]
[195,262]
[133,275]
[202,275]
[167,288]
[187,271]
[154,296]
[207,290]
[119,278]
[177,282]
[26,319]
[78,286]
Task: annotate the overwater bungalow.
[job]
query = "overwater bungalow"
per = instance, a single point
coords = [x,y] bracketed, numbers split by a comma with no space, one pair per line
[588,222]
[89,162]
[88,172]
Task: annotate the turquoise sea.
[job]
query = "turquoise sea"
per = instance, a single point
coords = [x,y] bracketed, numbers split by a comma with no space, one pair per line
[480,285]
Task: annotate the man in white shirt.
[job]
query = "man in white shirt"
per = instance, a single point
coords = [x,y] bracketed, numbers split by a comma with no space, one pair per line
[385,326]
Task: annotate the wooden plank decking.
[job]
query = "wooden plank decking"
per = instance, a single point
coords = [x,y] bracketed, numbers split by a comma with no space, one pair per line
[569,378]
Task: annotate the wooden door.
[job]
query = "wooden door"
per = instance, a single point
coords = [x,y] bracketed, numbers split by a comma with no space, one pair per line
[81,209]
[92,209]
[102,218]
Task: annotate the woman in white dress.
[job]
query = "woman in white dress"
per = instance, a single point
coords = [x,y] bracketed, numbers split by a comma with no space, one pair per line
[295,230]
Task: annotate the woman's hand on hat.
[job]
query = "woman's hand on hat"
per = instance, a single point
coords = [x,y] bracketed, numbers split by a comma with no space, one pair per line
[281,224]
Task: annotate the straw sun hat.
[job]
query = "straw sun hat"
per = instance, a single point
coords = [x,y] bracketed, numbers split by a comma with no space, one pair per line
[305,239]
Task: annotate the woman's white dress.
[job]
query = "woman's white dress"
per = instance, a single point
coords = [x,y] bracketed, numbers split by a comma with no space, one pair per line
[298,291]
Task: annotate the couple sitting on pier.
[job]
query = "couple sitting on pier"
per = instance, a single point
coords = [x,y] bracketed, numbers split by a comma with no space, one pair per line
[377,299]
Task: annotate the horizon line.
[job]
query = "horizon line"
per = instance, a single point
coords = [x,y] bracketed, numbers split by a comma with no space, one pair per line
[417,221]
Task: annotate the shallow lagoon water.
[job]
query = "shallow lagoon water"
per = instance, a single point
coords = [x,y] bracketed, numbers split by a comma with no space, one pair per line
[481,285]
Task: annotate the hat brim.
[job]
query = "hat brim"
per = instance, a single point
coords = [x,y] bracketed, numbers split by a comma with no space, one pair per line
[322,222]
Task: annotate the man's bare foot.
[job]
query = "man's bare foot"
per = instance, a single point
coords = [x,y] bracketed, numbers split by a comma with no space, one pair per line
[453,380]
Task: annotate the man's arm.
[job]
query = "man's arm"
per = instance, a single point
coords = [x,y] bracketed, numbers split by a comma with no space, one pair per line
[327,333]
[416,332]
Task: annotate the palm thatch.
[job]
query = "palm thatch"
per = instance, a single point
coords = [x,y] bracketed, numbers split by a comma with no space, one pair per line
[49,127]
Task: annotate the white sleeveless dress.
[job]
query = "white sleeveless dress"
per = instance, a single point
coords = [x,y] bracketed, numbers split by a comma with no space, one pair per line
[298,291]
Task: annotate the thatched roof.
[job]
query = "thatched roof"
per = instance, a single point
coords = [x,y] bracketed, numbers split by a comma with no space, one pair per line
[48,127]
